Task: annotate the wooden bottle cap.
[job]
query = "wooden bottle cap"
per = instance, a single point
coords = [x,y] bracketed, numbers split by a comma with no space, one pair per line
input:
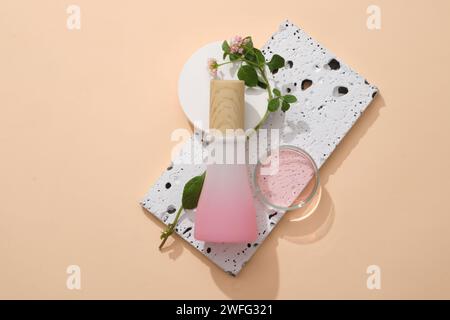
[227,104]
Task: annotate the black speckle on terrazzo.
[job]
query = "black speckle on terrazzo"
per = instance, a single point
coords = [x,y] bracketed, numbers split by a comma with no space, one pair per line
[339,92]
[289,64]
[334,64]
[306,84]
[168,185]
[171,209]
[342,90]
[187,230]
[208,250]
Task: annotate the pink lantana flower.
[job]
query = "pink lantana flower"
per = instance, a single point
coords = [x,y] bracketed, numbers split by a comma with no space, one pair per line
[212,67]
[236,45]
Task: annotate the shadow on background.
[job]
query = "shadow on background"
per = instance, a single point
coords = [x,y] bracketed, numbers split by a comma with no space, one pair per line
[259,279]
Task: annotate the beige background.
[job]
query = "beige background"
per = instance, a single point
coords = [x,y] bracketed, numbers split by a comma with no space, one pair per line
[85,127]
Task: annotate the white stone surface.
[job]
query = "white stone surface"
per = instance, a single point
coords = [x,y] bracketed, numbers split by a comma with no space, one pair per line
[317,123]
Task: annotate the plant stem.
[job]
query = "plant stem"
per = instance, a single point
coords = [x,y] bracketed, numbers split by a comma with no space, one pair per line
[224,63]
[250,62]
[269,91]
[170,228]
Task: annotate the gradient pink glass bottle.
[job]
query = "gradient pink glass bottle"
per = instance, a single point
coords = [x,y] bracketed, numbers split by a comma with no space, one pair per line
[225,211]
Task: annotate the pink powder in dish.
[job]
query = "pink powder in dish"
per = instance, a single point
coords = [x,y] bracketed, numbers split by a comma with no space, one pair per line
[284,187]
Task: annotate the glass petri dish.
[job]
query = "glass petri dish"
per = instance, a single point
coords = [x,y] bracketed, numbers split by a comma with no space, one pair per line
[286,179]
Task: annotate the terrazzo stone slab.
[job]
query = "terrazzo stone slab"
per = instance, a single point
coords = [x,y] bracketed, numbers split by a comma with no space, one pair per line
[331,98]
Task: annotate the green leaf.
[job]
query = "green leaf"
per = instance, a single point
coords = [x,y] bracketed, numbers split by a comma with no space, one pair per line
[192,191]
[250,56]
[225,47]
[233,57]
[274,104]
[276,63]
[276,92]
[289,98]
[262,85]
[260,60]
[249,44]
[248,49]
[285,106]
[248,74]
